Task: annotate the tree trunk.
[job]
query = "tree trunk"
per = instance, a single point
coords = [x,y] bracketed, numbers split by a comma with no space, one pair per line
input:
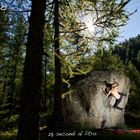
[45,83]
[58,79]
[30,97]
[11,91]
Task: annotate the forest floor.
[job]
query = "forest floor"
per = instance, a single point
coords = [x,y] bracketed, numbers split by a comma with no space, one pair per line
[8,130]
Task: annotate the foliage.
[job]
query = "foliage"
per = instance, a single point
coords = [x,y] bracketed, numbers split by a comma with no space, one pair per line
[128,51]
[75,39]
[12,57]
[106,61]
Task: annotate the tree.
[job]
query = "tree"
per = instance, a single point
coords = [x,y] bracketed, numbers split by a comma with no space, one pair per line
[3,76]
[15,60]
[30,97]
[12,45]
[107,17]
[129,52]
[58,77]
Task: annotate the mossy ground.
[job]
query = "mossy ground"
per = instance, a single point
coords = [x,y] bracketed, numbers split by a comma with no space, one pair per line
[8,130]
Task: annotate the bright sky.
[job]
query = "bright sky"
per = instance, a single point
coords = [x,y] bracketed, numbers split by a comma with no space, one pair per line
[132,29]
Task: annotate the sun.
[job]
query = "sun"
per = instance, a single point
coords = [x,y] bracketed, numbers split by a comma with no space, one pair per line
[90,26]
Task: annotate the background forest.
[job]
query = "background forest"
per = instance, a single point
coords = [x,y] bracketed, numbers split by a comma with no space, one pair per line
[69,50]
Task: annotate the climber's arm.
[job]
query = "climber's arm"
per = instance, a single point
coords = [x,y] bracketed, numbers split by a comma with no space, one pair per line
[115,84]
[107,94]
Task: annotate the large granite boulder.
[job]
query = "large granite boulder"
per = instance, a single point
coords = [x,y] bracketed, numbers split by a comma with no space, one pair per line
[87,105]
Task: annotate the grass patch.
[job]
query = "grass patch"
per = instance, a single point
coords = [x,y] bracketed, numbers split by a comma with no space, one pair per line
[132,119]
[8,135]
[8,128]
[87,133]
[7,138]
[92,135]
[111,136]
[8,124]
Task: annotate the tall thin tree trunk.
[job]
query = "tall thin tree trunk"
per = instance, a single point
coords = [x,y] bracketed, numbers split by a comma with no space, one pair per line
[30,97]
[58,78]
[45,84]
[12,89]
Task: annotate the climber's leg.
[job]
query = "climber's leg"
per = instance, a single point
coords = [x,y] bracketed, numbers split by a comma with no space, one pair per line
[119,108]
[118,102]
[122,94]
[120,99]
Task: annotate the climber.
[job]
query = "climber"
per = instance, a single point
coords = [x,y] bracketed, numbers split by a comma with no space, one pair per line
[112,90]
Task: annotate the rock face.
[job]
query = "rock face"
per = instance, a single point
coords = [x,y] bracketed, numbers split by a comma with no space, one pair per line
[87,105]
